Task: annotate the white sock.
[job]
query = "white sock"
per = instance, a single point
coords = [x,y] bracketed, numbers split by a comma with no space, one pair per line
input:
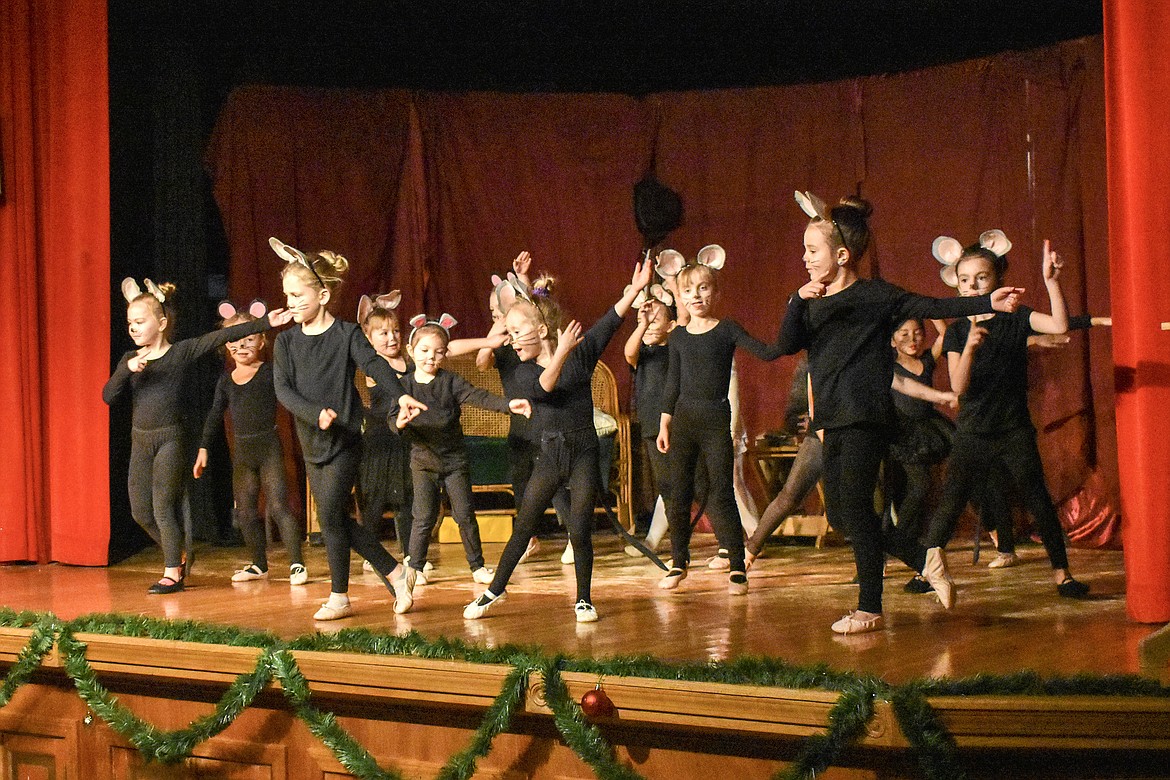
[337,600]
[658,525]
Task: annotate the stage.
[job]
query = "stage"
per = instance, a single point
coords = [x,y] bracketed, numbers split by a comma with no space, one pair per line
[1005,621]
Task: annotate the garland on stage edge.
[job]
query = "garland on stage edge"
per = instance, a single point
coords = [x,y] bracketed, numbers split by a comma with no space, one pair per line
[936,752]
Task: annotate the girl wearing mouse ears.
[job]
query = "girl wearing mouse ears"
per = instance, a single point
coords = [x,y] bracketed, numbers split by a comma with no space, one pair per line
[844,322]
[153,374]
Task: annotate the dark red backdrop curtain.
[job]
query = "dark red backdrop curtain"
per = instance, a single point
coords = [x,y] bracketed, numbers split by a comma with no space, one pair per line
[1138,91]
[1013,141]
[54,241]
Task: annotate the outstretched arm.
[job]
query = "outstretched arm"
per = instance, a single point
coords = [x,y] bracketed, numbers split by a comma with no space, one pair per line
[1057,321]
[909,387]
[457,347]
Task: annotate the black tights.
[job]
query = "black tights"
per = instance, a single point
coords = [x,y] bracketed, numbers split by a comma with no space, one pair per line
[257,464]
[802,477]
[426,514]
[974,460]
[332,484]
[158,463]
[579,475]
[853,456]
[694,438]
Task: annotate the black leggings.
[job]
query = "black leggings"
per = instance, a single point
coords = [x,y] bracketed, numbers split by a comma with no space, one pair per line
[703,436]
[158,463]
[332,484]
[575,469]
[521,458]
[853,456]
[385,481]
[257,463]
[426,514]
[973,458]
[802,477]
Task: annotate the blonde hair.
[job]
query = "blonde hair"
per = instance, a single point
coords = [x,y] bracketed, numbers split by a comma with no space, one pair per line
[698,273]
[540,307]
[160,309]
[326,270]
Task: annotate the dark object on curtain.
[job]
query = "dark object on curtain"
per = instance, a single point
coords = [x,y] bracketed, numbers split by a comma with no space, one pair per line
[657,209]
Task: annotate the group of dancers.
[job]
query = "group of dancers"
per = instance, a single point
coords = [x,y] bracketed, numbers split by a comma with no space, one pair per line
[869,391]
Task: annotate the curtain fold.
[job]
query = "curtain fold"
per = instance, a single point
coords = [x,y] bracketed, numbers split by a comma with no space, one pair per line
[1137,92]
[54,238]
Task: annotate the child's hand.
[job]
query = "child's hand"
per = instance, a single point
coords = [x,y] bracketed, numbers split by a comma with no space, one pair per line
[405,415]
[520,406]
[1006,299]
[278,317]
[643,273]
[412,404]
[568,337]
[950,400]
[644,316]
[498,339]
[1052,263]
[326,418]
[521,265]
[812,290]
[200,462]
[663,440]
[976,336]
[138,361]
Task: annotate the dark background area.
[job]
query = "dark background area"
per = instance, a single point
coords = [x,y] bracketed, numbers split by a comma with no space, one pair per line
[171,68]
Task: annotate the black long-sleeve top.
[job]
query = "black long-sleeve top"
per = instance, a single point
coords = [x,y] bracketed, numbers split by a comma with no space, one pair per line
[847,336]
[316,372]
[157,389]
[649,383]
[512,377]
[699,374]
[435,435]
[568,408]
[915,408]
[252,406]
[996,398]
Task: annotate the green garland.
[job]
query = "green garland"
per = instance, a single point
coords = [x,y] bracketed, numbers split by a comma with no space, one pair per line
[935,749]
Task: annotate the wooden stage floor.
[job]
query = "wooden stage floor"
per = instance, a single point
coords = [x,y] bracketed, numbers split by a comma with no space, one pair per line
[1005,620]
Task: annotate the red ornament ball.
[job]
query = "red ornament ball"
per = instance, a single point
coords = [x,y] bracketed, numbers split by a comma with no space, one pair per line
[596,704]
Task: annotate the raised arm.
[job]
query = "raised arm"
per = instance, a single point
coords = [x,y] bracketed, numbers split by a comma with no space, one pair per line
[640,278]
[1057,321]
[486,357]
[936,349]
[634,342]
[960,363]
[567,340]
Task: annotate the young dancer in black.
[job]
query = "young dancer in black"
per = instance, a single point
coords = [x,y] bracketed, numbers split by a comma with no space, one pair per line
[247,392]
[314,372]
[844,322]
[153,374]
[556,372]
[696,418]
[988,358]
[438,455]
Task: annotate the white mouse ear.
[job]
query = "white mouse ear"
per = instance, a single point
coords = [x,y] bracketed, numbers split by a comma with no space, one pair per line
[130,289]
[669,263]
[365,305]
[226,310]
[662,294]
[496,281]
[152,288]
[811,205]
[258,308]
[712,256]
[418,320]
[289,254]
[505,295]
[446,322]
[946,250]
[950,275]
[390,300]
[639,299]
[996,241]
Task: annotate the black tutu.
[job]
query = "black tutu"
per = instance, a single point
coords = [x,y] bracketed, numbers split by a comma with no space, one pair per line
[384,469]
[923,439]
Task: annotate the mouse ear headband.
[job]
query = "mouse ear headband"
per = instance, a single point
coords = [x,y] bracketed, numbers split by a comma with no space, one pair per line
[813,206]
[670,262]
[948,251]
[508,290]
[445,321]
[290,254]
[131,290]
[654,292]
[366,304]
[226,309]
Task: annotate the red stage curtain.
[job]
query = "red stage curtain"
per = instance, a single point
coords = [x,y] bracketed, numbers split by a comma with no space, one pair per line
[1010,141]
[1138,91]
[54,238]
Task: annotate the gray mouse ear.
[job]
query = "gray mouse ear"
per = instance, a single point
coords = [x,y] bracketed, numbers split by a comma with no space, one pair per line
[365,305]
[152,288]
[996,241]
[390,300]
[130,289]
[669,262]
[712,256]
[290,254]
[662,294]
[811,205]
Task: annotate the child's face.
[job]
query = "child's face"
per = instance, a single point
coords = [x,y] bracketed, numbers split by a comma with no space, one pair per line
[697,295]
[819,259]
[909,338]
[976,276]
[526,334]
[303,300]
[429,352]
[246,351]
[385,337]
[143,324]
[494,306]
[658,322]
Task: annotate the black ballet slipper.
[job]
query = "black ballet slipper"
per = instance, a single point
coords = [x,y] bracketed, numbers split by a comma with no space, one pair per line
[167,585]
[1072,589]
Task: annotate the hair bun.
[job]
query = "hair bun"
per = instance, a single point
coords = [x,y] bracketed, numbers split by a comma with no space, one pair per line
[335,260]
[544,286]
[167,289]
[858,203]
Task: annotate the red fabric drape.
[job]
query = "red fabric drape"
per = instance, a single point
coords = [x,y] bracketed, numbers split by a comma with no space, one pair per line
[1138,91]
[1002,142]
[54,238]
